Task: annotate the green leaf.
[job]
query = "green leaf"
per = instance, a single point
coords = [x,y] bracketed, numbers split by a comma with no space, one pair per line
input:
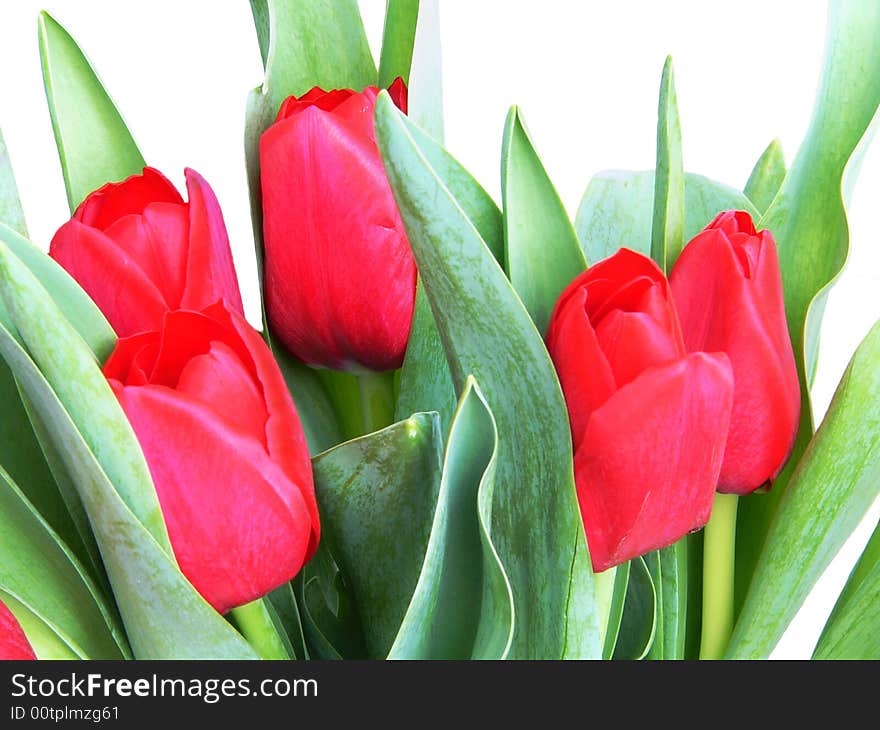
[377,496]
[766,177]
[10,206]
[93,142]
[425,99]
[616,210]
[667,229]
[639,619]
[694,617]
[808,220]
[283,600]
[541,252]
[832,487]
[852,629]
[42,574]
[615,608]
[487,332]
[674,577]
[398,38]
[462,607]
[64,384]
[425,382]
[260,11]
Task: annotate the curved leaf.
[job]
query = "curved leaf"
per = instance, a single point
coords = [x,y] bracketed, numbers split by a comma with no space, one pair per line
[853,629]
[766,177]
[832,487]
[425,100]
[486,331]
[377,496]
[667,228]
[93,142]
[425,382]
[808,220]
[41,573]
[462,608]
[616,210]
[615,608]
[541,250]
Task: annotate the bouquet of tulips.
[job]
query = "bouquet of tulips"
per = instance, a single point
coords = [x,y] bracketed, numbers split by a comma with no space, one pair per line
[466,430]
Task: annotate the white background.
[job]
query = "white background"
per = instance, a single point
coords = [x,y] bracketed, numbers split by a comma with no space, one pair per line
[585,74]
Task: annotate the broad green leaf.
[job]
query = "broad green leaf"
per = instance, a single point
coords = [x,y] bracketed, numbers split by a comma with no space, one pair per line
[667,228]
[615,608]
[616,210]
[852,629]
[486,332]
[832,487]
[541,250]
[10,206]
[425,382]
[398,38]
[377,496]
[164,616]
[44,576]
[766,177]
[639,619]
[462,607]
[652,561]
[808,220]
[93,142]
[425,100]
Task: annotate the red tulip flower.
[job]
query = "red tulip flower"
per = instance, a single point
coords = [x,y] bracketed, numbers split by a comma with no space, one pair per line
[139,250]
[728,292]
[226,451]
[648,420]
[13,642]
[340,278]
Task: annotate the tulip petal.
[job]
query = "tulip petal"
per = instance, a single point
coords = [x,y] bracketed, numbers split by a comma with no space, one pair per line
[210,272]
[359,314]
[13,642]
[648,463]
[723,310]
[633,342]
[113,201]
[110,277]
[214,485]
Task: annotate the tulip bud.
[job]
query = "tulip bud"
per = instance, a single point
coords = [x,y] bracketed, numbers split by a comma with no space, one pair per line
[139,250]
[728,292]
[226,451]
[648,420]
[13,642]
[339,274]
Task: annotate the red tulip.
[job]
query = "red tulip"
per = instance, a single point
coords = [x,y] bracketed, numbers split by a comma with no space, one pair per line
[340,278]
[648,420]
[728,292]
[139,250]
[13,642]
[225,449]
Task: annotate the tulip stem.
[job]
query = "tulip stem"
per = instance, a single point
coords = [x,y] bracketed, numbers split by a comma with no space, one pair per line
[377,400]
[255,624]
[719,543]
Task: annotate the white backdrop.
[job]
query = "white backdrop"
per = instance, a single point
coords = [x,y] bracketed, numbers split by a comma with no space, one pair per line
[586,75]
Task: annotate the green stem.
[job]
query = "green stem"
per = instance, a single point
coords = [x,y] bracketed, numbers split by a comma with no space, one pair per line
[719,549]
[377,400]
[255,624]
